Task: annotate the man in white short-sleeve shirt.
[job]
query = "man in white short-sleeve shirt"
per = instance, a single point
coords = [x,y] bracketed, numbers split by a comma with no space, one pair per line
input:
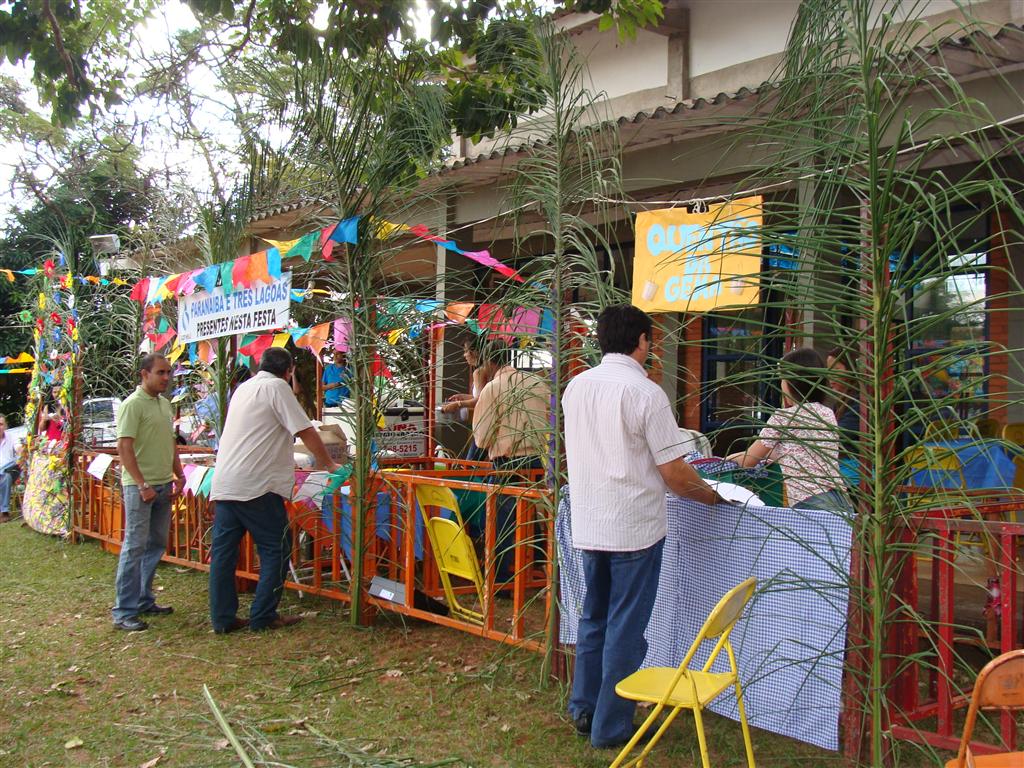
[254,474]
[623,451]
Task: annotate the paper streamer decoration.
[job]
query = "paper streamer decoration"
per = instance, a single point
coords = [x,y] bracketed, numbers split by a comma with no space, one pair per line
[207,484]
[195,479]
[312,487]
[338,477]
[342,333]
[265,266]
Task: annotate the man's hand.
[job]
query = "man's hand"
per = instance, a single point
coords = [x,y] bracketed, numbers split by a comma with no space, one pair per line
[332,467]
[147,494]
[683,480]
[177,487]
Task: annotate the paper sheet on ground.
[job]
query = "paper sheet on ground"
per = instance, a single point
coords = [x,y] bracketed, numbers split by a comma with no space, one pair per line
[735,494]
[98,467]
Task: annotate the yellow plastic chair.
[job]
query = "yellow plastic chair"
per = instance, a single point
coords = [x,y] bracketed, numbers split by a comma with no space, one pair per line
[452,547]
[684,688]
[939,431]
[1014,433]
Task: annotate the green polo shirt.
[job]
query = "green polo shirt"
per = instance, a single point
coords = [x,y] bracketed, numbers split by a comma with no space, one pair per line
[149,422]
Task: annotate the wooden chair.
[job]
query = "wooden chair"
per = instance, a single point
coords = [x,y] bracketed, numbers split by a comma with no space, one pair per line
[679,688]
[452,547]
[1000,686]
[1014,433]
[988,429]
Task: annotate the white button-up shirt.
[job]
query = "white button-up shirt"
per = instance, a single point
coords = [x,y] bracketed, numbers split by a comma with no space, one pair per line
[256,453]
[619,428]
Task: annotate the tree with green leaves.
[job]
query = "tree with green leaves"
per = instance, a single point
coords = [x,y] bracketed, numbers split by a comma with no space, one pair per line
[77,51]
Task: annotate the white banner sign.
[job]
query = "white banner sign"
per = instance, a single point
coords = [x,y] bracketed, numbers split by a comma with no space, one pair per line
[245,310]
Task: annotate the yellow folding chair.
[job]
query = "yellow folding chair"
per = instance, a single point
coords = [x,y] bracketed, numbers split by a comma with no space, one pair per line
[684,688]
[452,547]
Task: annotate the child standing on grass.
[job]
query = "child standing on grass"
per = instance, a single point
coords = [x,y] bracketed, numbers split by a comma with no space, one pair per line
[803,437]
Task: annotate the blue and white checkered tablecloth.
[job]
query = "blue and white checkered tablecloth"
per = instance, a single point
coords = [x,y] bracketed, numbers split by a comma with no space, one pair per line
[791,640]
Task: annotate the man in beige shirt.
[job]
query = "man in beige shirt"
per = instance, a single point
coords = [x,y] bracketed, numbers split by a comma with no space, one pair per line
[510,421]
[511,424]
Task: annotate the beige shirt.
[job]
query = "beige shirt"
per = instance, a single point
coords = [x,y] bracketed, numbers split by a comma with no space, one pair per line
[511,415]
[619,429]
[256,453]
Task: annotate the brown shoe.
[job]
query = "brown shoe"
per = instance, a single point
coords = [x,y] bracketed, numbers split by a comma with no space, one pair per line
[234,626]
[279,622]
[5,517]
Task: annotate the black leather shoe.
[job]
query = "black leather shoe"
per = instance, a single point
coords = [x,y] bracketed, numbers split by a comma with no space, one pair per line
[158,610]
[234,626]
[582,724]
[131,624]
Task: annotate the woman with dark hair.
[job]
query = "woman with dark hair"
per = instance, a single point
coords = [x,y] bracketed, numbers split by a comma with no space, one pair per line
[803,437]
[482,360]
[481,370]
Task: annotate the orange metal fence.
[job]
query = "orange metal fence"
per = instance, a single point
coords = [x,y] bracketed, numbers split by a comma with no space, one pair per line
[395,549]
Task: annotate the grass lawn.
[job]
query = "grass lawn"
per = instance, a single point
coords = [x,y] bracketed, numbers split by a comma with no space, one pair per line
[75,692]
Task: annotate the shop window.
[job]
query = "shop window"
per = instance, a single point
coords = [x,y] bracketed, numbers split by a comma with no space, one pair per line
[948,333]
[737,396]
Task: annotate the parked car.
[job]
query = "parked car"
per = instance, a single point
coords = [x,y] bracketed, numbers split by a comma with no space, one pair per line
[99,421]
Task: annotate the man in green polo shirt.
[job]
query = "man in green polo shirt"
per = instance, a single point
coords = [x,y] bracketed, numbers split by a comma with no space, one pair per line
[151,477]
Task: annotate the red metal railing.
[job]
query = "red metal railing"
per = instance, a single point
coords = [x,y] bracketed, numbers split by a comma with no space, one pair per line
[931,678]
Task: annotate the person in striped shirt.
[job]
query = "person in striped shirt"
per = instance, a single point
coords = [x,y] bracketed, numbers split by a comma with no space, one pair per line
[623,452]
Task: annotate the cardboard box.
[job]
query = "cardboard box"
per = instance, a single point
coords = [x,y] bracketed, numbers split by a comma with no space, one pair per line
[334,442]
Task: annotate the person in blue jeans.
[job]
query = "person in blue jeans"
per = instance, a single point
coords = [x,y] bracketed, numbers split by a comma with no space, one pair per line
[151,476]
[8,469]
[623,452]
[254,474]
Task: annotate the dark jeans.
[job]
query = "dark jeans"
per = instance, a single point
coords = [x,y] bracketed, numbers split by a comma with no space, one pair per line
[505,538]
[610,643]
[266,520]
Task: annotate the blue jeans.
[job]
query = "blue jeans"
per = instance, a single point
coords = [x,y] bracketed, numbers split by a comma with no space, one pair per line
[145,540]
[610,644]
[7,474]
[266,520]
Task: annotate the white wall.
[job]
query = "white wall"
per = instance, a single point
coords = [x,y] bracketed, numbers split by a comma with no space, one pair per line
[724,33]
[619,68]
